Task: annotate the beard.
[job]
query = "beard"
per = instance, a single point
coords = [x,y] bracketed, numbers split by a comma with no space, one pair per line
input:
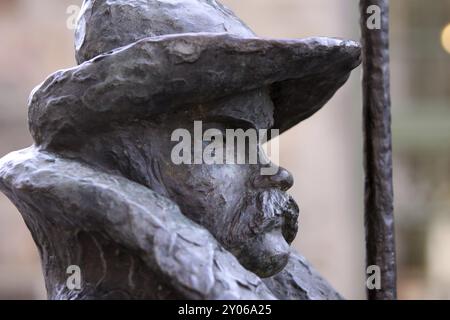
[267,211]
[261,231]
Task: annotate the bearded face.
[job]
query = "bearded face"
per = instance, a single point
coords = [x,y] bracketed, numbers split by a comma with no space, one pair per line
[247,210]
[248,213]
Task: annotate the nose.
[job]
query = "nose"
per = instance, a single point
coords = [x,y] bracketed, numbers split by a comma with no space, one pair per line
[282,180]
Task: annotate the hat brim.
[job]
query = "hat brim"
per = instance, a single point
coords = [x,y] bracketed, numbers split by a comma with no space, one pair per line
[160,74]
[298,99]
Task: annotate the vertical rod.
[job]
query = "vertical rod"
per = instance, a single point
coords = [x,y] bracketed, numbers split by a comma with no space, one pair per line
[379,211]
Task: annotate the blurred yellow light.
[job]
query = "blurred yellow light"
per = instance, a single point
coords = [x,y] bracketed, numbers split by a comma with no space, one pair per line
[445,38]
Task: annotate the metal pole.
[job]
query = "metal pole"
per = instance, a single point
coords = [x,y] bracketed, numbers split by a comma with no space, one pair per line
[379,213]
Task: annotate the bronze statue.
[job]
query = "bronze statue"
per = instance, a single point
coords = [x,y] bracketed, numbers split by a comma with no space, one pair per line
[99,189]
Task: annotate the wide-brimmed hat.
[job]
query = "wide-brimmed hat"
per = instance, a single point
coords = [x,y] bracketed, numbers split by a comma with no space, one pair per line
[140,58]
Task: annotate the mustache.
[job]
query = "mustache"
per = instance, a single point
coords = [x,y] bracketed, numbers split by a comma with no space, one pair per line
[268,210]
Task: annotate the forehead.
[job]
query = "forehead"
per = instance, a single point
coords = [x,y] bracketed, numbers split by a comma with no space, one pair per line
[255,107]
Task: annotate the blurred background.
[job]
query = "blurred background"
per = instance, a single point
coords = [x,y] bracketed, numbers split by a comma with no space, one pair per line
[324,153]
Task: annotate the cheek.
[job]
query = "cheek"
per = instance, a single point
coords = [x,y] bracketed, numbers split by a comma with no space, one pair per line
[208,189]
[230,179]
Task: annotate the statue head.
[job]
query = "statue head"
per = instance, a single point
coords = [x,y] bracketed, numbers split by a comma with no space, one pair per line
[158,71]
[245,208]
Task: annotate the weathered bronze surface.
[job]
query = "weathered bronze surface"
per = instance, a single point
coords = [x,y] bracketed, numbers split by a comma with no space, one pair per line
[98,188]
